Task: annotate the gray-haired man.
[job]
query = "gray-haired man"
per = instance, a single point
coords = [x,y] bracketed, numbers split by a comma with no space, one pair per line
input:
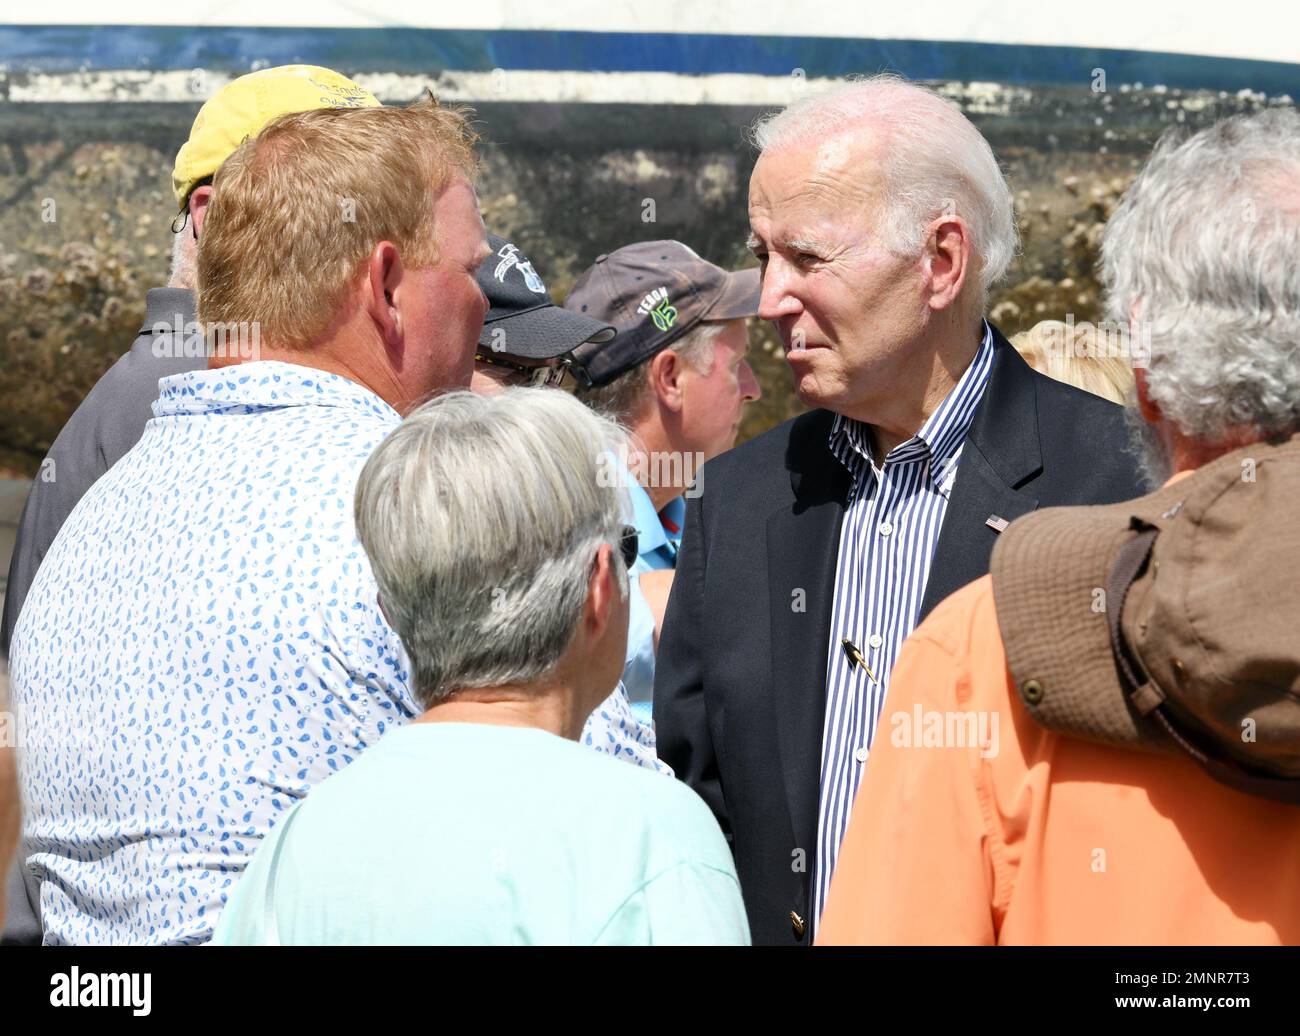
[676,376]
[880,217]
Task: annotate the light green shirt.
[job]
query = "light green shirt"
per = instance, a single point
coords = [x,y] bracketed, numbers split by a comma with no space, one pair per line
[465,833]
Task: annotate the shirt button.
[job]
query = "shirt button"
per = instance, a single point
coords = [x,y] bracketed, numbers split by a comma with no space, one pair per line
[860,755]
[875,640]
[885,528]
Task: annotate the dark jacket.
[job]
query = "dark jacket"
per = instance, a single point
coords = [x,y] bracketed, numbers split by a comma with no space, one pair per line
[740,681]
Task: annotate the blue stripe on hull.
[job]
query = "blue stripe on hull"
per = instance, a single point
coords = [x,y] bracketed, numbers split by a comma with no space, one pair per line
[69,48]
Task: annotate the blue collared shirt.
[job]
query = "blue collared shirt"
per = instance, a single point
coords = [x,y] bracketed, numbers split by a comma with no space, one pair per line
[657,549]
[887,542]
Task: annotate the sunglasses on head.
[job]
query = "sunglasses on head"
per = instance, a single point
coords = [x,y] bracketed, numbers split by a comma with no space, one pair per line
[544,376]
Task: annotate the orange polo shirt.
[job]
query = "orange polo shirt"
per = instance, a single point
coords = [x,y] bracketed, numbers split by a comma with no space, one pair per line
[1034,838]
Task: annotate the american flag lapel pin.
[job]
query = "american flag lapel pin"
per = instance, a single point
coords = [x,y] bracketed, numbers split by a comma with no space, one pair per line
[996,522]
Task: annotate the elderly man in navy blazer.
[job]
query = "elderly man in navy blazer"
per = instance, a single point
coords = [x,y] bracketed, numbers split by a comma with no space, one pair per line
[880,219]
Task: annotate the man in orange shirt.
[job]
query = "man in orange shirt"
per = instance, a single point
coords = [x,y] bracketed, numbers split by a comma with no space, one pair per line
[1100,741]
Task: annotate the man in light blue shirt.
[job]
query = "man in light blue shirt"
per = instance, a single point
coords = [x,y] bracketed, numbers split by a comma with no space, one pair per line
[659,533]
[676,376]
[202,644]
[482,822]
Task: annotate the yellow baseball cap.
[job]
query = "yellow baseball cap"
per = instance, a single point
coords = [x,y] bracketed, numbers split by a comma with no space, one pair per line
[240,109]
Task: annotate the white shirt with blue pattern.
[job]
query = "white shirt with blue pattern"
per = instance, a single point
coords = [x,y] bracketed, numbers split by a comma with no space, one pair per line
[201,646]
[615,729]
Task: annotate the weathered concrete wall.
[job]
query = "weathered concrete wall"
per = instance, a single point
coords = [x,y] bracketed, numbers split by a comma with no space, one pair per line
[85,204]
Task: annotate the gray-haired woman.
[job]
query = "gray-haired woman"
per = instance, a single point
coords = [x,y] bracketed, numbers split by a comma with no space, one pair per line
[501,558]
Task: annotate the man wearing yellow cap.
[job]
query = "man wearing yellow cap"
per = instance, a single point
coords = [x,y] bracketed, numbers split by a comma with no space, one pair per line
[112,417]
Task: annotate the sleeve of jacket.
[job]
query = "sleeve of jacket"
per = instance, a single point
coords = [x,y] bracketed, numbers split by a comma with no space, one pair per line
[681,710]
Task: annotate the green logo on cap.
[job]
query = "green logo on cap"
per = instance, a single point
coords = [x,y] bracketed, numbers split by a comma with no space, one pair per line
[663,315]
[657,307]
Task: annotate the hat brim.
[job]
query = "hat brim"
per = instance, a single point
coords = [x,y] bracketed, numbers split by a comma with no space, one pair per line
[1047,569]
[543,333]
[739,298]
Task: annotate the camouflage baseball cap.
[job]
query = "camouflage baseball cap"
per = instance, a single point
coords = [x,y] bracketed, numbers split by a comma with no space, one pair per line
[653,293]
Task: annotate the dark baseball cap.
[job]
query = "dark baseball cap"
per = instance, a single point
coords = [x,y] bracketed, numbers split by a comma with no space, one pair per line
[653,292]
[522,319]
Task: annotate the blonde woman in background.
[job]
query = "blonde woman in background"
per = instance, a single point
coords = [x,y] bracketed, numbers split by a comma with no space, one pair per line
[1077,355]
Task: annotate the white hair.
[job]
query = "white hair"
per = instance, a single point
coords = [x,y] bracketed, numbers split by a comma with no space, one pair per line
[933,160]
[481,516]
[1204,245]
[185,259]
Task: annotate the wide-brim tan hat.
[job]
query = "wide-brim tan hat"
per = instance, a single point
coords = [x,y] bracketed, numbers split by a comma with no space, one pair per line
[1208,610]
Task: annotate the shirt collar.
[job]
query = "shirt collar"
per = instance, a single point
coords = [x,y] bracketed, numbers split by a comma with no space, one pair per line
[939,438]
[650,531]
[674,511]
[264,385]
[170,306]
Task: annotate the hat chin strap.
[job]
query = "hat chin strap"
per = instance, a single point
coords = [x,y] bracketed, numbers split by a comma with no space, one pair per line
[1151,702]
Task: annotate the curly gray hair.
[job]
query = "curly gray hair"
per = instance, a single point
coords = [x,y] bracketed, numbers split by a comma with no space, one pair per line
[1202,253]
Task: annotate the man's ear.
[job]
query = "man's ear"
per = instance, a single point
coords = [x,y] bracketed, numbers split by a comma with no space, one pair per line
[665,378]
[380,288]
[949,254]
[1147,407]
[199,199]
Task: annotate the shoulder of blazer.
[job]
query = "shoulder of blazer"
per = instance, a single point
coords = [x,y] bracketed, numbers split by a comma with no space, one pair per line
[1028,423]
[768,467]
[1067,406]
[1086,441]
[1005,426]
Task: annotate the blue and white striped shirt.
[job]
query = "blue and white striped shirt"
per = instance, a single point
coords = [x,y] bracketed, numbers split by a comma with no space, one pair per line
[887,543]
